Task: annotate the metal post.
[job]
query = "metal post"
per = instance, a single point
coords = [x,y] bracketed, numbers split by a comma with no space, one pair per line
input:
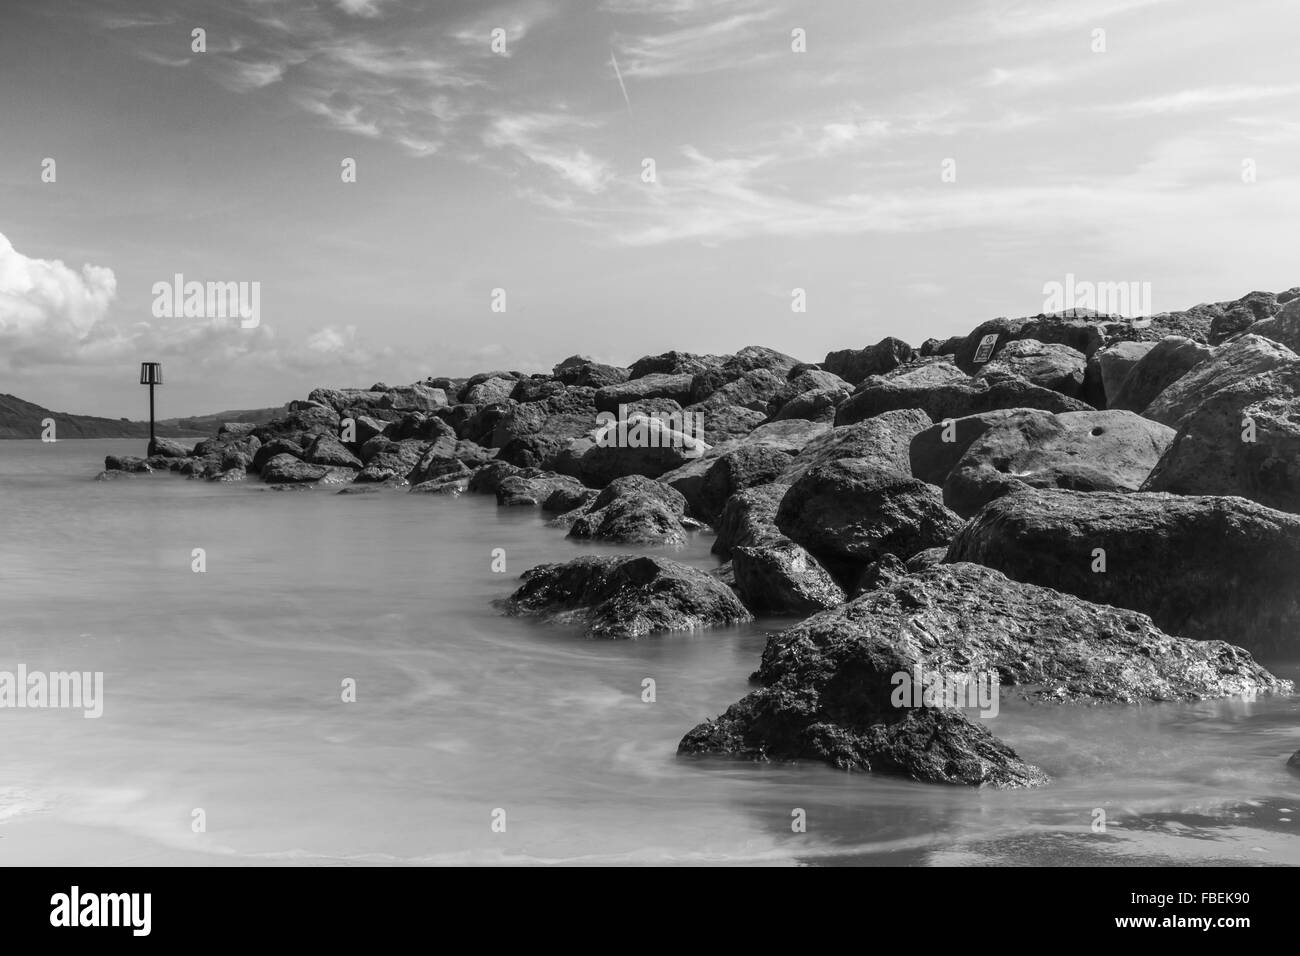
[153,442]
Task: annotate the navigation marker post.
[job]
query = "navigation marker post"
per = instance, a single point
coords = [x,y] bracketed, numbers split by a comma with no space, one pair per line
[151,375]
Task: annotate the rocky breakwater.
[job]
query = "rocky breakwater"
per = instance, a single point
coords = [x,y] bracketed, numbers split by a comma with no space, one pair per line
[1083,507]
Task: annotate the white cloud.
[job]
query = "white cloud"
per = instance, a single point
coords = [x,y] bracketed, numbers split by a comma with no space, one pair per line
[540,138]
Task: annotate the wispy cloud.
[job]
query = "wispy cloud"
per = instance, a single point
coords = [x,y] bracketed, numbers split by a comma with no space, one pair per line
[545,139]
[1205,98]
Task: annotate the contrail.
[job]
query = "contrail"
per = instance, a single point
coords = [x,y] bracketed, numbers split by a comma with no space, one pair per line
[621,86]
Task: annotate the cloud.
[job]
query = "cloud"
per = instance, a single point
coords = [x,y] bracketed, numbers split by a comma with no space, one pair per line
[47,307]
[732,42]
[52,315]
[534,136]
[1205,98]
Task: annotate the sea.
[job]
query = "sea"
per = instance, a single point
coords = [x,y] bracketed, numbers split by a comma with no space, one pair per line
[314,678]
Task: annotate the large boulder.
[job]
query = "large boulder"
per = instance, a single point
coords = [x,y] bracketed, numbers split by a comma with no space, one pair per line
[944,392]
[392,461]
[654,385]
[724,423]
[487,392]
[1115,362]
[328,450]
[754,389]
[1045,364]
[934,451]
[1202,567]
[1241,439]
[1085,451]
[852,512]
[672,363]
[579,370]
[531,487]
[815,405]
[626,597]
[736,470]
[749,518]
[634,510]
[783,578]
[1168,360]
[884,440]
[287,470]
[842,686]
[1231,364]
[1282,328]
[647,446]
[854,365]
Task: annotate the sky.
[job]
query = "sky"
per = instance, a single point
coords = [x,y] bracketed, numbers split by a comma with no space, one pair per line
[914,167]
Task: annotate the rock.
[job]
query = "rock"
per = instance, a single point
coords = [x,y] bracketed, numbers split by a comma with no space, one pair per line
[1086,451]
[328,450]
[810,379]
[791,435]
[634,510]
[1115,362]
[736,470]
[284,469]
[127,463]
[944,392]
[783,578]
[883,571]
[884,440]
[626,597]
[393,461]
[535,388]
[565,498]
[1169,360]
[487,392]
[749,518]
[688,480]
[417,426]
[579,370]
[1231,364]
[1202,567]
[1241,439]
[934,451]
[1294,762]
[168,448]
[657,449]
[753,357]
[854,365]
[817,405]
[236,473]
[529,488]
[487,480]
[726,422]
[834,685]
[1046,365]
[753,390]
[1282,328]
[413,398]
[852,511]
[926,559]
[233,431]
[672,363]
[338,399]
[655,385]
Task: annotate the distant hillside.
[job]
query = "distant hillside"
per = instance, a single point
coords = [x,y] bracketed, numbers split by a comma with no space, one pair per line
[208,424]
[19,419]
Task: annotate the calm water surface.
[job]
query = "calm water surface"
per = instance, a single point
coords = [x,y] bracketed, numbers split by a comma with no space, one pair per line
[222,692]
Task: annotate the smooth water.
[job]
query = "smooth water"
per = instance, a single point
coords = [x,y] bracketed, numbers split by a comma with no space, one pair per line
[223,693]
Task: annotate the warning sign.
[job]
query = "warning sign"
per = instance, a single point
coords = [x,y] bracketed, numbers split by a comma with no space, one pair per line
[986,348]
